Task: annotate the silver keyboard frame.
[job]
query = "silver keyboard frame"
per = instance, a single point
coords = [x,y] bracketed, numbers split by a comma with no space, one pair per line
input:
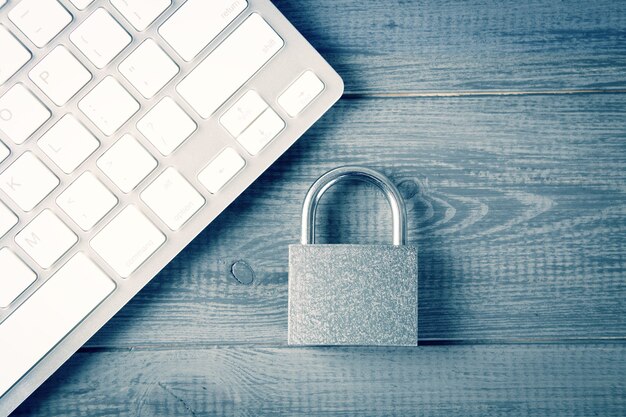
[196,152]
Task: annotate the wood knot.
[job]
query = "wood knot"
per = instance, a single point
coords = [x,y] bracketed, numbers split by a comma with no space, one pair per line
[242,272]
[408,189]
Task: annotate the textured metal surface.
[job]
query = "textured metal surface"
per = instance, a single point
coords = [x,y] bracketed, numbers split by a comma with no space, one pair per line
[352,295]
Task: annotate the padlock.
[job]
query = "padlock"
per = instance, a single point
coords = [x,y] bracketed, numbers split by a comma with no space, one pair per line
[345,294]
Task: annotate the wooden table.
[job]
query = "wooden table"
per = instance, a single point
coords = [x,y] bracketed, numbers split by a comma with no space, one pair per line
[504,125]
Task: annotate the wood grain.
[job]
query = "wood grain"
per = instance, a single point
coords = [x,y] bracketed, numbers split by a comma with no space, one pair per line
[404,47]
[520,380]
[518,205]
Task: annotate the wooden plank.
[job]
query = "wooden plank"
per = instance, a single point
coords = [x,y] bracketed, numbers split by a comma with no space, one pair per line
[518,205]
[467,46]
[521,380]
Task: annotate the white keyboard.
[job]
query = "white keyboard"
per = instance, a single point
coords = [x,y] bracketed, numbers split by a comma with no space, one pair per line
[126,127]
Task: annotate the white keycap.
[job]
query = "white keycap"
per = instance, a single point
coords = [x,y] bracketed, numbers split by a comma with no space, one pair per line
[3,2]
[127,163]
[40,20]
[243,113]
[172,198]
[28,181]
[141,13]
[148,68]
[221,170]
[100,38]
[8,219]
[166,126]
[68,143]
[4,152]
[21,114]
[45,318]
[230,65]
[197,23]
[14,55]
[261,132]
[15,277]
[46,239]
[127,241]
[109,105]
[81,4]
[301,93]
[60,75]
[87,201]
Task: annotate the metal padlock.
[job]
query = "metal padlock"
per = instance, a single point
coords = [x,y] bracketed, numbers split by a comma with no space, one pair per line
[353,294]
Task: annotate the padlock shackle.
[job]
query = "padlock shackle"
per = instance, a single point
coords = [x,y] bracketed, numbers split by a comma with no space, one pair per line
[326,181]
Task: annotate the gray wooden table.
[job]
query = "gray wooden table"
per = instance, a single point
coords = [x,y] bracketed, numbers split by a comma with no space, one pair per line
[504,125]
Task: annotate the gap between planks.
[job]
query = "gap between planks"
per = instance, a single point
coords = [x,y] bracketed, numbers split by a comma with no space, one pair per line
[422,343]
[351,95]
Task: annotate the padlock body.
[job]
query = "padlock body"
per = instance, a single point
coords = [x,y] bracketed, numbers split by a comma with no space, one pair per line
[353,295]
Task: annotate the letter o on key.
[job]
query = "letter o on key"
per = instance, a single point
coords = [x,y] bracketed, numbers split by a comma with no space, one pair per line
[6,115]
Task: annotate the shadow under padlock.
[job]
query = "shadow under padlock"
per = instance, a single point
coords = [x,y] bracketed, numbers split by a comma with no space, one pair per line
[353,294]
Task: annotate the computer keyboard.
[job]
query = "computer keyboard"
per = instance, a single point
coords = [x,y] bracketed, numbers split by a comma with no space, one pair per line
[126,127]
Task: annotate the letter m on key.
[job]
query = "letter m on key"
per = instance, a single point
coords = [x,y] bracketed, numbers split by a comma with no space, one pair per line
[33,240]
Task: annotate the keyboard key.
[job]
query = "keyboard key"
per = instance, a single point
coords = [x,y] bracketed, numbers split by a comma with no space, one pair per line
[166,126]
[46,317]
[68,143]
[3,2]
[127,163]
[46,239]
[28,181]
[109,105]
[221,170]
[243,113]
[14,55]
[141,13]
[16,277]
[261,132]
[60,75]
[301,93]
[7,220]
[197,22]
[172,198]
[128,241]
[87,201]
[40,20]
[148,68]
[230,65]
[81,4]
[100,38]
[4,152]
[21,114]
